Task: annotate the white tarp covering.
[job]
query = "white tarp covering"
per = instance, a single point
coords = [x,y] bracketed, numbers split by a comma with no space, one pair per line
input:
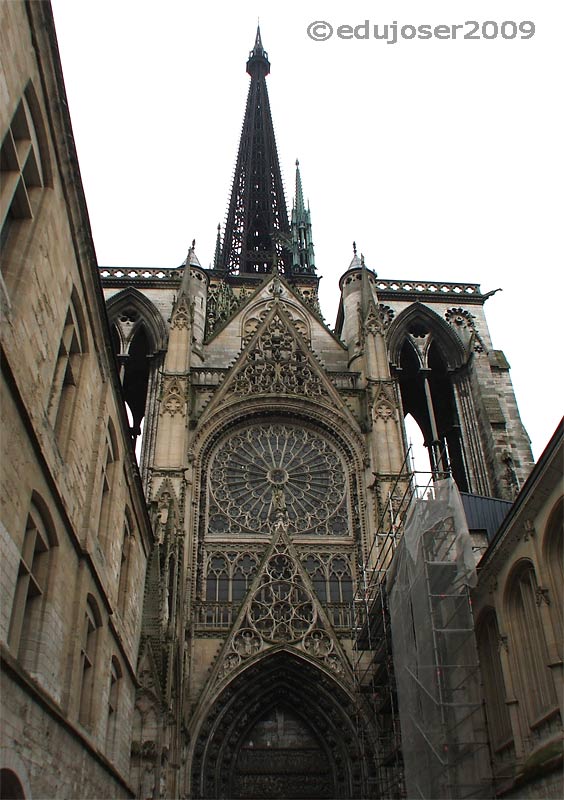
[434,651]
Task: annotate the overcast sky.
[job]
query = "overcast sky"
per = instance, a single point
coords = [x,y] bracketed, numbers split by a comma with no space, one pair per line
[442,158]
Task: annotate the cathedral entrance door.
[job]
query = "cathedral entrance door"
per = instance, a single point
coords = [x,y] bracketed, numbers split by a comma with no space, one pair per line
[280,757]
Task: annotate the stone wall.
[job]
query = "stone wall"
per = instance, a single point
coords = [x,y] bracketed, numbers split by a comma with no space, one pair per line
[75,530]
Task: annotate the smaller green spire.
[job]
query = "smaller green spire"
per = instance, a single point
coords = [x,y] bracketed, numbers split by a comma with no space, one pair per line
[303,259]
[299,199]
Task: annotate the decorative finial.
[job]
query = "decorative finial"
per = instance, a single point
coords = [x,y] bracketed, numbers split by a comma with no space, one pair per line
[217,254]
[193,244]
[354,248]
[297,162]
[362,259]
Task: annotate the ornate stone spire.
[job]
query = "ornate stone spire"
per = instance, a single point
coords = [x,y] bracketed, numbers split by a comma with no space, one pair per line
[257,218]
[303,260]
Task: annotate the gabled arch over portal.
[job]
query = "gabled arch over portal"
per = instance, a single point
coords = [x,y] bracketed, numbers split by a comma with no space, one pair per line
[265,725]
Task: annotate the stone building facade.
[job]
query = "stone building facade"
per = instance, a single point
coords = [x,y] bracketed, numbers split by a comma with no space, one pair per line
[206,648]
[519,620]
[75,530]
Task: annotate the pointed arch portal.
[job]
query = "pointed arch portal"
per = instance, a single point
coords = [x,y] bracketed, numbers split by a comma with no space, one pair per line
[282,728]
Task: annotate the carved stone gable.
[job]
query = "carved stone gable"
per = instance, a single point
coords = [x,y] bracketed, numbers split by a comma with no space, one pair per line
[182,314]
[276,362]
[173,400]
[281,609]
[385,402]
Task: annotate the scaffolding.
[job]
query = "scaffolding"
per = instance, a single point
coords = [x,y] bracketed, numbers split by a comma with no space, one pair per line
[415,656]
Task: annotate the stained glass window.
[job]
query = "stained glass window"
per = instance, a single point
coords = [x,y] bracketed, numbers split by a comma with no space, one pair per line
[262,472]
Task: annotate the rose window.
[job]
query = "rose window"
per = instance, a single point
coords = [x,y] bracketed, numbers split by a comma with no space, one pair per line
[265,472]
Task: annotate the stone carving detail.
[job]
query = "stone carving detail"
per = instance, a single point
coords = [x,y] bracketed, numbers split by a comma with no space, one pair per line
[542,596]
[463,323]
[173,397]
[246,642]
[221,304]
[510,473]
[317,643]
[384,405]
[309,296]
[277,364]
[251,325]
[127,324]
[182,315]
[383,410]
[259,314]
[378,319]
[281,609]
[529,528]
[262,471]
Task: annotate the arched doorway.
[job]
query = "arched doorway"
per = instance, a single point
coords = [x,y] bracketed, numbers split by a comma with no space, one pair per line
[282,728]
[10,786]
[281,757]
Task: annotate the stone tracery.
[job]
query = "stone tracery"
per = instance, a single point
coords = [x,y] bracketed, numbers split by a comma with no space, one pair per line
[263,470]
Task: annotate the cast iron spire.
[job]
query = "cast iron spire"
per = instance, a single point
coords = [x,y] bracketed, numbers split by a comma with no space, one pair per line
[257,219]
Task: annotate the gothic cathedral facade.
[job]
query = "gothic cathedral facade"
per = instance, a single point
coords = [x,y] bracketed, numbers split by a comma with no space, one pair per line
[273,449]
[273,459]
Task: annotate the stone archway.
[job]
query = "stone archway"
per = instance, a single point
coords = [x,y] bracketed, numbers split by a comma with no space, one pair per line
[10,786]
[282,728]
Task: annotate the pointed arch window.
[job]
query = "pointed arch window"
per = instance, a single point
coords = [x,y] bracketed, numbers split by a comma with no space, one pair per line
[554,553]
[127,547]
[217,583]
[340,581]
[66,378]
[244,571]
[331,576]
[489,643]
[316,571]
[108,477]
[28,608]
[24,168]
[113,706]
[529,644]
[91,625]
